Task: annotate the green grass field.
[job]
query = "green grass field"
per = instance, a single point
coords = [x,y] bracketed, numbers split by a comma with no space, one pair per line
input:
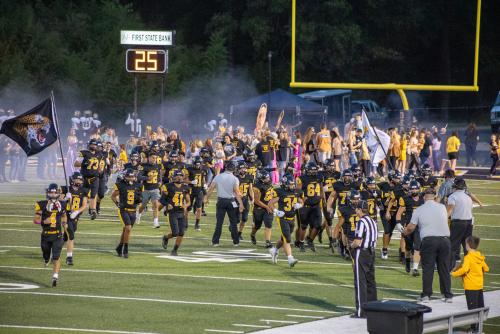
[149,293]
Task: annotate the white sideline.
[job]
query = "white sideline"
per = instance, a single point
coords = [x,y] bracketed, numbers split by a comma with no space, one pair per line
[223,331]
[251,326]
[349,325]
[166,301]
[73,329]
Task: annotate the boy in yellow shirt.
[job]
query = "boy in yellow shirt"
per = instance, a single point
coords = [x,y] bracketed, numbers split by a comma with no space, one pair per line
[472,272]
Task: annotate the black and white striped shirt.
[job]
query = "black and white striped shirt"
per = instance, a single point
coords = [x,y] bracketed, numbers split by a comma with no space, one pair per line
[367,231]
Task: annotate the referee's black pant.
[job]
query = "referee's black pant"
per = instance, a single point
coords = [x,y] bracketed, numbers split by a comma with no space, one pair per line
[436,250]
[365,288]
[459,231]
[225,205]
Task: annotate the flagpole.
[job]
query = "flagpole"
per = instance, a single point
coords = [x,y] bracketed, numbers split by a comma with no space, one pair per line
[379,142]
[56,122]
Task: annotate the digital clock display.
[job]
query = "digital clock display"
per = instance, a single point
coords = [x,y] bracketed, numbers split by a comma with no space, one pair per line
[146,61]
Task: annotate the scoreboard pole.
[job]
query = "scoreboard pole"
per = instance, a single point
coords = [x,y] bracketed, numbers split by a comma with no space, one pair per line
[135,94]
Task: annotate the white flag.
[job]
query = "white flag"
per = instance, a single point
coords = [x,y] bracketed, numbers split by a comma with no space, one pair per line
[377,151]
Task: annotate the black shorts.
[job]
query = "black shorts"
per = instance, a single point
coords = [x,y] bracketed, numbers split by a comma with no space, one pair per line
[310,216]
[453,155]
[390,225]
[196,198]
[51,245]
[103,186]
[286,226]
[71,229]
[177,222]
[413,241]
[262,216]
[127,216]
[92,183]
[243,216]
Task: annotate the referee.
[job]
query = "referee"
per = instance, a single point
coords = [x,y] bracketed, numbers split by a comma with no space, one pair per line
[432,221]
[365,240]
[228,201]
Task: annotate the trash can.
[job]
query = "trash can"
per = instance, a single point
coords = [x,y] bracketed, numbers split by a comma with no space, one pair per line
[395,317]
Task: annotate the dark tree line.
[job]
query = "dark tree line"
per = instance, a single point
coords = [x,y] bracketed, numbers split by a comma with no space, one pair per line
[415,41]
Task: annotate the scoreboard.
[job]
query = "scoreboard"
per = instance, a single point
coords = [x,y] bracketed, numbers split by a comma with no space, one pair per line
[146,60]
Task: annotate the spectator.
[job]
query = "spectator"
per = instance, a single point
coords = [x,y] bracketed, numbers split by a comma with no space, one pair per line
[122,157]
[14,157]
[219,158]
[264,151]
[229,149]
[394,147]
[72,142]
[494,154]
[297,153]
[324,144]
[403,147]
[160,133]
[337,147]
[426,151]
[452,148]
[309,146]
[283,152]
[471,140]
[413,149]
[436,150]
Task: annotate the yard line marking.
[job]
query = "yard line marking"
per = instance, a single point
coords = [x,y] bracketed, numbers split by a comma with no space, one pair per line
[245,279]
[253,326]
[279,321]
[304,316]
[12,223]
[223,331]
[74,329]
[167,301]
[485,324]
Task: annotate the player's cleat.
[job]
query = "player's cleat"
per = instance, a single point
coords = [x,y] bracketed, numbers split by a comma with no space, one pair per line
[297,244]
[54,282]
[402,257]
[214,245]
[164,242]
[240,235]
[119,250]
[125,255]
[424,299]
[347,256]
[302,247]
[45,263]
[407,265]
[156,225]
[292,262]
[173,252]
[197,227]
[384,255]
[69,260]
[252,237]
[320,236]
[236,244]
[138,218]
[269,244]
[415,273]
[310,245]
[203,213]
[93,215]
[333,245]
[274,255]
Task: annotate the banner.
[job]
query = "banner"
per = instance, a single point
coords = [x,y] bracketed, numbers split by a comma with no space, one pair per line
[377,141]
[34,130]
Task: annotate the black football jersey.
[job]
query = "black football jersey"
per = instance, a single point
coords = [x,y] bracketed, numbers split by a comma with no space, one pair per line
[350,219]
[342,190]
[90,163]
[267,193]
[77,197]
[53,214]
[175,195]
[396,193]
[130,195]
[373,199]
[198,175]
[410,204]
[311,187]
[252,168]
[150,174]
[245,183]
[426,183]
[329,179]
[385,193]
[286,201]
[170,168]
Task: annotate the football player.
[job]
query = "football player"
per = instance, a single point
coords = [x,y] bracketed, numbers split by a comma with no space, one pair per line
[135,162]
[263,192]
[372,196]
[390,215]
[51,215]
[175,200]
[104,163]
[77,198]
[348,219]
[357,177]
[406,206]
[89,161]
[246,191]
[150,174]
[208,165]
[330,176]
[198,182]
[127,195]
[252,163]
[174,163]
[310,214]
[289,200]
[339,196]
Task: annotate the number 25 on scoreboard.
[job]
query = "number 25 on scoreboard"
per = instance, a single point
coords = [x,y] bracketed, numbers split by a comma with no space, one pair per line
[146,61]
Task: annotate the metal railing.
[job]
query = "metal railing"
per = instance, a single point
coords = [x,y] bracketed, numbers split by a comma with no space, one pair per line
[449,321]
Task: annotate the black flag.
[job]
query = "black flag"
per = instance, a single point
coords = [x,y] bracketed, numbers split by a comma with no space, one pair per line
[34,130]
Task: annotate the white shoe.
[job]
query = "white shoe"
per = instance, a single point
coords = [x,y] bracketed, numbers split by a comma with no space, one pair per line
[292,262]
[138,218]
[274,254]
[156,225]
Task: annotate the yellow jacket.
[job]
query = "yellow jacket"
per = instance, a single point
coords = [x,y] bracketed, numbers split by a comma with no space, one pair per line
[452,144]
[472,271]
